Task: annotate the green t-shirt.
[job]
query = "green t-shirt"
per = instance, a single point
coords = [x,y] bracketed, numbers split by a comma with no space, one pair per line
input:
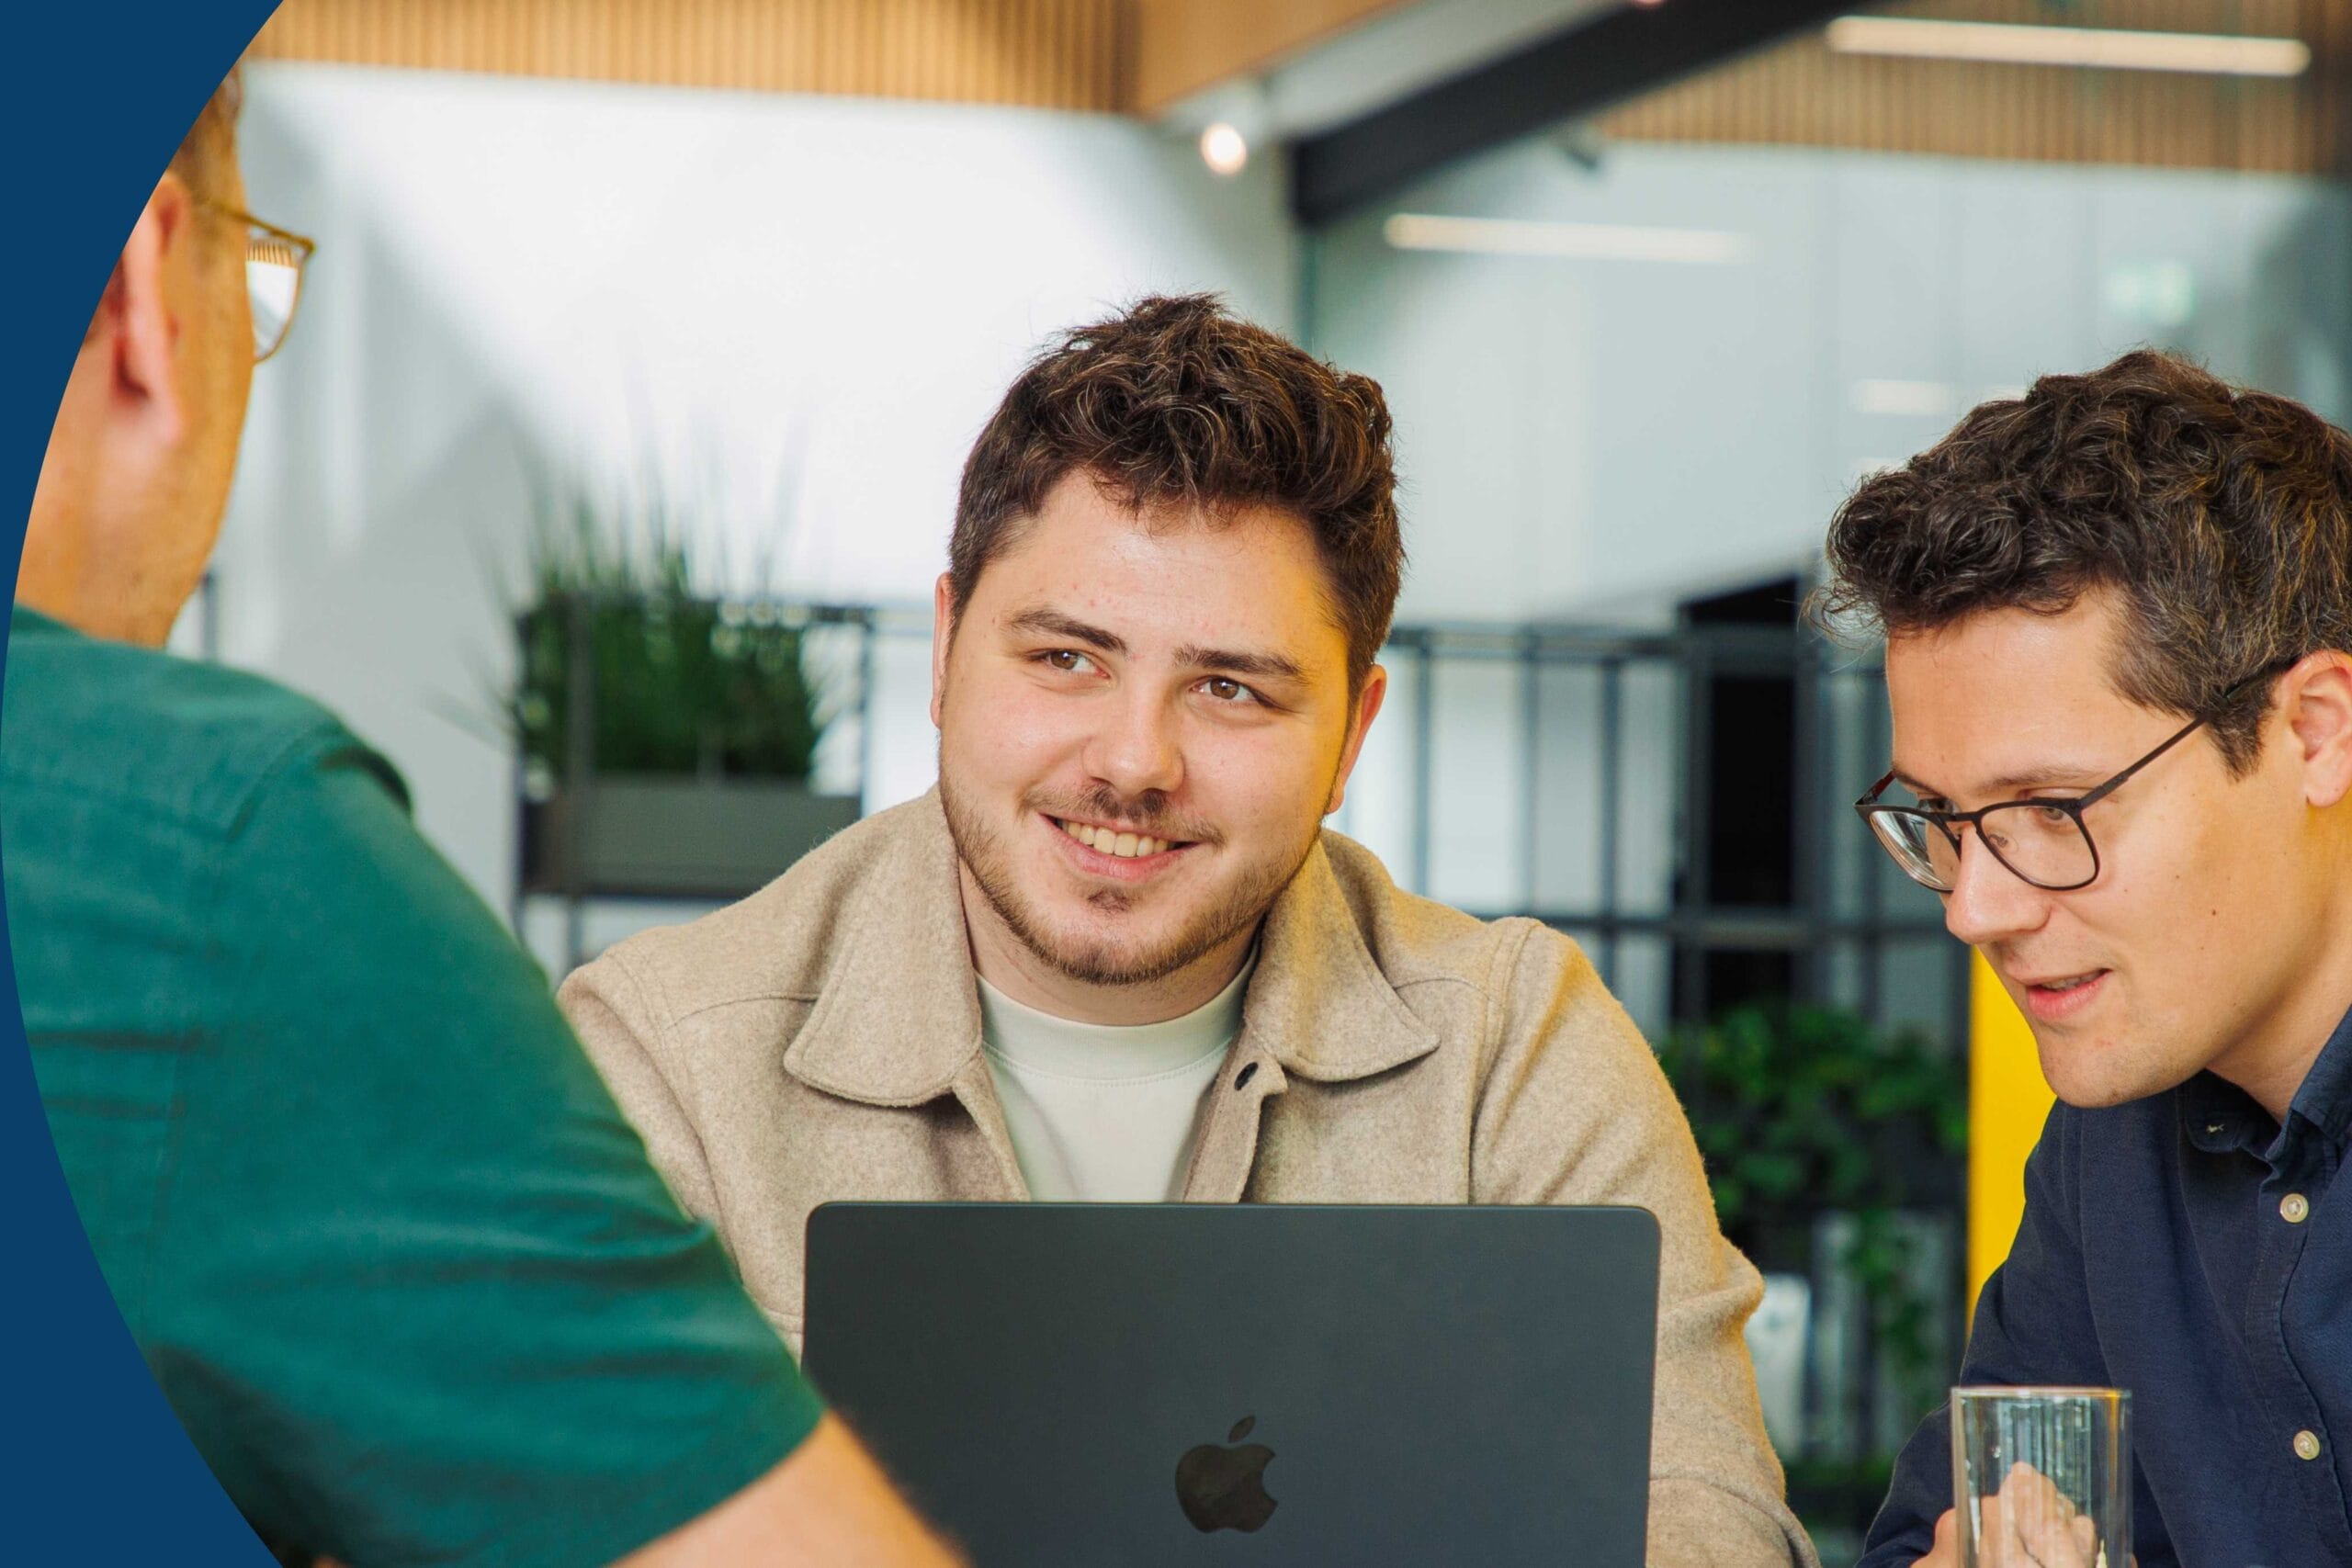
[396,1260]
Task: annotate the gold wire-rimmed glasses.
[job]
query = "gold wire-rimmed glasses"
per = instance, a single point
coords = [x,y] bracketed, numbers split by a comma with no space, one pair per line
[275,260]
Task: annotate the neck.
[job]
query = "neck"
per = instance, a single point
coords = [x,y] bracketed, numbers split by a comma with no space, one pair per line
[2272,1081]
[2273,1057]
[66,575]
[1009,963]
[93,617]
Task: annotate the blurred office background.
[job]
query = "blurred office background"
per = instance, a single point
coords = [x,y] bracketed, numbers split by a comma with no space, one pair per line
[604,477]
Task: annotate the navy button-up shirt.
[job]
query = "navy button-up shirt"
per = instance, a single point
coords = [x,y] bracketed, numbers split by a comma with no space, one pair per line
[2192,1250]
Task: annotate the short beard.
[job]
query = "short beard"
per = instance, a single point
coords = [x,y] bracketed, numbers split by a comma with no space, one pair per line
[1104,963]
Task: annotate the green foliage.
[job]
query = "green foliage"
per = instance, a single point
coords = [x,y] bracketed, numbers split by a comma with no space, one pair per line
[1811,1108]
[684,682]
[1803,1110]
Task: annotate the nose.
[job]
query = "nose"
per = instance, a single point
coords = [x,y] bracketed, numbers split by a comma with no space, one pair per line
[1989,902]
[1138,748]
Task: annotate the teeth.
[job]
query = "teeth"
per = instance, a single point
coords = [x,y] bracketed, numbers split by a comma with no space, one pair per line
[1127,846]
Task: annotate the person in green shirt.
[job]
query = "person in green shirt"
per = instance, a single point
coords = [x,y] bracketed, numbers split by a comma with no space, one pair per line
[397,1261]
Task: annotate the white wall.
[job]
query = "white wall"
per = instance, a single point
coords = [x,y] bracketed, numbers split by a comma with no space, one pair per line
[798,309]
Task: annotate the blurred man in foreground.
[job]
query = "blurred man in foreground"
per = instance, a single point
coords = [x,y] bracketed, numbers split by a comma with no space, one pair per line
[2117,614]
[396,1260]
[1114,957]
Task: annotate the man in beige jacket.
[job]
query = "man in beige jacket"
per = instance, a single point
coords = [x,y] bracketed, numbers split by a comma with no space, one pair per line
[1114,956]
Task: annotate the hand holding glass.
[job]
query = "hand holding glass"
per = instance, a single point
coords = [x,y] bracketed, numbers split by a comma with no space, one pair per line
[2041,1477]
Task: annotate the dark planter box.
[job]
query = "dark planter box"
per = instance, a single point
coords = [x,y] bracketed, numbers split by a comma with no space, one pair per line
[654,836]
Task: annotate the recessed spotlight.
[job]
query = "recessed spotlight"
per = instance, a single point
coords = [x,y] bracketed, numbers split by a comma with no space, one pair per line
[1223,150]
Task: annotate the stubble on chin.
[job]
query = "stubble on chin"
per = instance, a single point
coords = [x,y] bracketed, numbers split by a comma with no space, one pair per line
[987,865]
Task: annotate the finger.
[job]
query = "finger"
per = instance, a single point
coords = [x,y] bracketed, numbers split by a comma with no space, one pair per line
[1997,1545]
[2042,1519]
[1944,1552]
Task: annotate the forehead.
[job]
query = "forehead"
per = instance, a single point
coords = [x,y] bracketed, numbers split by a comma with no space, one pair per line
[1250,573]
[2003,695]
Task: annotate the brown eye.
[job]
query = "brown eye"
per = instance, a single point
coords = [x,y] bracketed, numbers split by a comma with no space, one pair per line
[1227,690]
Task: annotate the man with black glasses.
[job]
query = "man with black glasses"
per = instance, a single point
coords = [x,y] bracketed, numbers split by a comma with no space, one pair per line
[392,1254]
[2117,614]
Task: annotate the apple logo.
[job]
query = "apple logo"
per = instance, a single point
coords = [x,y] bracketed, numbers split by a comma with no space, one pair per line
[1224,1488]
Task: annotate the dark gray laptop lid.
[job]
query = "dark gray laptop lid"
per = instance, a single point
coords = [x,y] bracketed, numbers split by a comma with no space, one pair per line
[1066,1384]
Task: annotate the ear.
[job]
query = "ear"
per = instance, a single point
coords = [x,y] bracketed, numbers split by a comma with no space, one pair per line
[943,633]
[2315,698]
[1367,708]
[138,324]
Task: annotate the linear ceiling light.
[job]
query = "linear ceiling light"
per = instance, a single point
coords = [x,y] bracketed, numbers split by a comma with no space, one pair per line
[2109,48]
[1565,242]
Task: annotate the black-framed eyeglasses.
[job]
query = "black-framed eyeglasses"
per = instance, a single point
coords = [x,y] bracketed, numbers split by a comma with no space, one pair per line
[2044,841]
[275,260]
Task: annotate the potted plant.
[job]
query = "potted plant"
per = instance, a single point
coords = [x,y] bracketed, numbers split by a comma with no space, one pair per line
[667,734]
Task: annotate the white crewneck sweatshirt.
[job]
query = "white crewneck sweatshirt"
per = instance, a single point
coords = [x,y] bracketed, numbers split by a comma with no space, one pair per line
[1106,1113]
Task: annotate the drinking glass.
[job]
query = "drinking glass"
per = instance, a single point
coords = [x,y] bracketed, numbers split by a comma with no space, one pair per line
[2043,1477]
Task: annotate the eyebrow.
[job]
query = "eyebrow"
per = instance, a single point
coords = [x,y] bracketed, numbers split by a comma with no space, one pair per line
[1043,621]
[2005,787]
[1053,623]
[1258,666]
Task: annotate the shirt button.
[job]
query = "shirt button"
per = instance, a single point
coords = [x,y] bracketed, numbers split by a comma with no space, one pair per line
[2306,1445]
[2294,1207]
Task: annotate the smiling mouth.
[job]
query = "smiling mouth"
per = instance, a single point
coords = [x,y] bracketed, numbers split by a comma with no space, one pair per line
[1109,842]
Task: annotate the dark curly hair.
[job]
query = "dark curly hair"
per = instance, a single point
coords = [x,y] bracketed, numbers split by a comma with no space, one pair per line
[2222,518]
[1178,404]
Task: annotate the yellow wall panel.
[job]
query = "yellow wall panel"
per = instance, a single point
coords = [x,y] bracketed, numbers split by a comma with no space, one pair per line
[2008,1102]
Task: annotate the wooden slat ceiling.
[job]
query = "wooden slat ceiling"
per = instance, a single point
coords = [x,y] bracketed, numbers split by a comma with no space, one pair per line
[1182,46]
[1102,55]
[1068,54]
[1801,92]
[1137,56]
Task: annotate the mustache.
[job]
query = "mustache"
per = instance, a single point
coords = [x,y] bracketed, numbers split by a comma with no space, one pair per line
[1147,813]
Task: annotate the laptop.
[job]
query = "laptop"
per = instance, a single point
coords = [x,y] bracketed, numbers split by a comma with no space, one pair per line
[1143,1385]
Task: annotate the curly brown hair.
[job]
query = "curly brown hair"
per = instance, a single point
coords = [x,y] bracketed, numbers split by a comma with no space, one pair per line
[2221,517]
[1175,404]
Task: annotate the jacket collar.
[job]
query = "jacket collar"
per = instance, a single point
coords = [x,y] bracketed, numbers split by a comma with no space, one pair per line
[898,1016]
[23,618]
[1320,1004]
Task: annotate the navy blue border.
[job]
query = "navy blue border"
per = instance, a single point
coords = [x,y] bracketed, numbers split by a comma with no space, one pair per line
[93,1465]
